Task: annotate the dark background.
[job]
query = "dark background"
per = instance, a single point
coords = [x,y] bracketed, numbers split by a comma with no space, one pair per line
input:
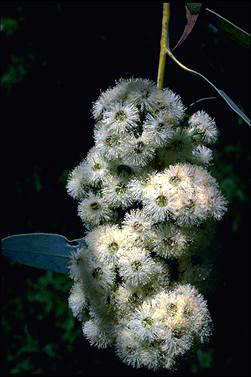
[53,66]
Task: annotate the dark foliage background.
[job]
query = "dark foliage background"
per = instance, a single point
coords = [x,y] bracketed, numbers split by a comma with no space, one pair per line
[56,57]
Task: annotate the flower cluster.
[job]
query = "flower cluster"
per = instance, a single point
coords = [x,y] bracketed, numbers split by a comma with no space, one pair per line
[149,205]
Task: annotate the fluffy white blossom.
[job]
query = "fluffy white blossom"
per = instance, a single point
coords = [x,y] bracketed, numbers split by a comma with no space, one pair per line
[138,269]
[93,211]
[121,119]
[149,205]
[202,155]
[77,183]
[97,334]
[203,128]
[77,299]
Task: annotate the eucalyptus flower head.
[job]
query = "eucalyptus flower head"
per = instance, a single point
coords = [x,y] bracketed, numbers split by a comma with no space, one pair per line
[143,94]
[165,193]
[186,193]
[126,298]
[138,91]
[172,241]
[149,205]
[108,144]
[133,91]
[137,152]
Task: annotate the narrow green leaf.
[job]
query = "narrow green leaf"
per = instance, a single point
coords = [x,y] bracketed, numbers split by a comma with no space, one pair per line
[223,95]
[41,250]
[234,106]
[235,32]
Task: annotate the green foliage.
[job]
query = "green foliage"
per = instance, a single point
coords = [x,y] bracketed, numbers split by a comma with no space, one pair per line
[16,66]
[25,318]
[8,26]
[15,72]
[204,360]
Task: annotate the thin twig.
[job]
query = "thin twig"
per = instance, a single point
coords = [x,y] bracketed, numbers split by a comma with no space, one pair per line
[163,45]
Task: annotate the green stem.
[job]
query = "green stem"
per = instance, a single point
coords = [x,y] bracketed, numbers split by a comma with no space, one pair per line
[163,45]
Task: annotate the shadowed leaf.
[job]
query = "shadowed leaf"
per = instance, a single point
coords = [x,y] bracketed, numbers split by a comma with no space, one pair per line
[223,95]
[235,32]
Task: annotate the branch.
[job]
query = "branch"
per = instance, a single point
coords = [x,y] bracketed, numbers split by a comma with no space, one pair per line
[163,45]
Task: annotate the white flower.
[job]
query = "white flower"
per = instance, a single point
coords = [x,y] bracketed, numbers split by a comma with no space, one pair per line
[108,144]
[105,242]
[121,119]
[137,268]
[97,333]
[169,102]
[171,241]
[77,299]
[77,183]
[137,91]
[202,128]
[105,100]
[202,155]
[136,221]
[159,128]
[95,168]
[149,205]
[93,211]
[116,193]
[137,152]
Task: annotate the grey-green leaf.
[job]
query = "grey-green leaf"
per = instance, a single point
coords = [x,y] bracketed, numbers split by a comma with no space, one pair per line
[41,250]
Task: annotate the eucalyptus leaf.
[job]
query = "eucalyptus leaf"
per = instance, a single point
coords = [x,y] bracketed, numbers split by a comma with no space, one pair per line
[234,107]
[233,31]
[223,95]
[194,8]
[192,13]
[41,250]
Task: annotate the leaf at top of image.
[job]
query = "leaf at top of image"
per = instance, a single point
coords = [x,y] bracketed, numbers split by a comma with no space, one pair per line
[237,34]
[192,13]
